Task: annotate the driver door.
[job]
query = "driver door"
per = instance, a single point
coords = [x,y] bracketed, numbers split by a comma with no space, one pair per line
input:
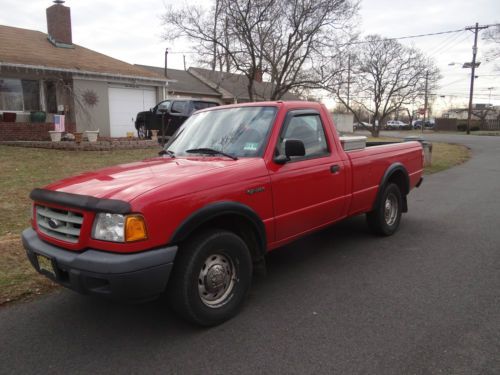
[309,190]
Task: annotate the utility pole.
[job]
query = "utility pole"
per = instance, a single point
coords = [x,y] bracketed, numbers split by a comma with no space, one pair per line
[473,70]
[184,59]
[425,98]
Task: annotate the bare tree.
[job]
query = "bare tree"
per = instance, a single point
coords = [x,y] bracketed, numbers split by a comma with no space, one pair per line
[492,37]
[283,39]
[483,113]
[385,76]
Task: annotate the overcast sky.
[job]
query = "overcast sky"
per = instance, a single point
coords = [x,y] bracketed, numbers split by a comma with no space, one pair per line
[131,30]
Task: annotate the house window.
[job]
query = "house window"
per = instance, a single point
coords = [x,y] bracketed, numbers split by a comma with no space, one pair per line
[50,97]
[19,95]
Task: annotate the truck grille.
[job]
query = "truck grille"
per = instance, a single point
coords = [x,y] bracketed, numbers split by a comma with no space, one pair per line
[61,224]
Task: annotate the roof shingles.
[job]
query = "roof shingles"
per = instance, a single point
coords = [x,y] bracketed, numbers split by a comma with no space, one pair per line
[29,47]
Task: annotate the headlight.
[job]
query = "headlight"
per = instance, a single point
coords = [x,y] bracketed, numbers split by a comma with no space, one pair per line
[119,228]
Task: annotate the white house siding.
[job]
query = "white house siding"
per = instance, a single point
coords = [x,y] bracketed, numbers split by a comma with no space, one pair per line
[92,116]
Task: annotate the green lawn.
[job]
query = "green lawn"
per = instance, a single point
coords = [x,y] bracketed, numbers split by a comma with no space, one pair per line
[26,168]
[447,155]
[444,155]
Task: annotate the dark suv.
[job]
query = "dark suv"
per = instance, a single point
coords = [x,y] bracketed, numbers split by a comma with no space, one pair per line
[176,111]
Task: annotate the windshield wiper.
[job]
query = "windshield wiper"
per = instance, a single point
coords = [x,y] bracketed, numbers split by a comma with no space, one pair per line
[210,151]
[167,152]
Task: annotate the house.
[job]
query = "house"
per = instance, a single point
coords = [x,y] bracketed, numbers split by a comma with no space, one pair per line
[223,87]
[234,87]
[182,84]
[486,111]
[49,73]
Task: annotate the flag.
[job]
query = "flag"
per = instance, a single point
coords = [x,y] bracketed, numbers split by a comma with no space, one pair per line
[59,123]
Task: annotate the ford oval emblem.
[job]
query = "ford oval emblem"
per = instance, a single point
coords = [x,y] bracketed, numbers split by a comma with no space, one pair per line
[53,223]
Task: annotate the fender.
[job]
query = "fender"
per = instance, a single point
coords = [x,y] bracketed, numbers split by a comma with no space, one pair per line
[219,209]
[396,167]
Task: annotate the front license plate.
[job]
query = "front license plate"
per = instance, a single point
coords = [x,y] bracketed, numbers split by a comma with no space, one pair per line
[45,265]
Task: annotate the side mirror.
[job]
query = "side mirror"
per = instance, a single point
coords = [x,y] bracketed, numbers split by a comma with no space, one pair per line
[293,147]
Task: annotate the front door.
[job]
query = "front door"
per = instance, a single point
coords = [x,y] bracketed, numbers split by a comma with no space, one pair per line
[308,191]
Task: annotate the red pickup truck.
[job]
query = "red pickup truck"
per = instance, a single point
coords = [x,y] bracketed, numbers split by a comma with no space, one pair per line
[233,183]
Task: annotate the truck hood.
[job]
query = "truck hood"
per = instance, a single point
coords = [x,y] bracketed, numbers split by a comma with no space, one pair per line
[128,181]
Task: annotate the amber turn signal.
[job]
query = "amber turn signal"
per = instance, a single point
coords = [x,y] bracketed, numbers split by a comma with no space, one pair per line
[135,228]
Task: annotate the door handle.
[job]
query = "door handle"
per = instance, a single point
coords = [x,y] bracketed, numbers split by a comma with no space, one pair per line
[335,168]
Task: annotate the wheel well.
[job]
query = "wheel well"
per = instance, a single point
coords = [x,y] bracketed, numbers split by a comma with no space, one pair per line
[240,226]
[400,179]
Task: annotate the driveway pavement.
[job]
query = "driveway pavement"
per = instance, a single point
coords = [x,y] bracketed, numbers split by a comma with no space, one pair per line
[425,301]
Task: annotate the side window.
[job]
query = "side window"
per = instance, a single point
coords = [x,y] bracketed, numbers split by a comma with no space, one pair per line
[308,129]
[200,105]
[178,107]
[163,106]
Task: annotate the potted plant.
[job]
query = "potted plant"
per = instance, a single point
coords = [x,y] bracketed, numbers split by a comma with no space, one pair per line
[38,116]
[92,135]
[55,135]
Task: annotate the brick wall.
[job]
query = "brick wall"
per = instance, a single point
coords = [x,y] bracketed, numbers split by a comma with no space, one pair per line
[29,131]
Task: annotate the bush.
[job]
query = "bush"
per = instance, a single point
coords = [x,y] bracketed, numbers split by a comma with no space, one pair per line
[463,128]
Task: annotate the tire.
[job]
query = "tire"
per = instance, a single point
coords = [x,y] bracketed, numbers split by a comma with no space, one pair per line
[385,218]
[142,133]
[210,258]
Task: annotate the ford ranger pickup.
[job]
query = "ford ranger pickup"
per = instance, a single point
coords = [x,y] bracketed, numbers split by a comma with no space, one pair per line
[233,183]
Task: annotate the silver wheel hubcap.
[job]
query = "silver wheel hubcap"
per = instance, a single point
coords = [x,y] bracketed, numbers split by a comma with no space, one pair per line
[216,280]
[142,131]
[391,209]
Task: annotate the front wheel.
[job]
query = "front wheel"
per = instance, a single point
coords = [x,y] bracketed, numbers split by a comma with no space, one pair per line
[385,218]
[211,277]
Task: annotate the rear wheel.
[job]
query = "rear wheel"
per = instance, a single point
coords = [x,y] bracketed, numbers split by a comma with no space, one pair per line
[385,218]
[142,132]
[211,277]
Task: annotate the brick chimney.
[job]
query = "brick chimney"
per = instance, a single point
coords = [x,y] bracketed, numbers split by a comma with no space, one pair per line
[59,25]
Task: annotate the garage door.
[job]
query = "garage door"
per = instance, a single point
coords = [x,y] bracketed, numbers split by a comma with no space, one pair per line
[124,104]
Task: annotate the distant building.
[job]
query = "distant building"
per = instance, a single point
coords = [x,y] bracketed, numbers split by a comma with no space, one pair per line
[491,112]
[227,88]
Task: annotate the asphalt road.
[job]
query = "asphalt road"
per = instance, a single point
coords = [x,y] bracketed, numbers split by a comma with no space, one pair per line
[425,301]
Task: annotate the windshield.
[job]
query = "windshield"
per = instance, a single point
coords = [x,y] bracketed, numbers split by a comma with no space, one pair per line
[240,132]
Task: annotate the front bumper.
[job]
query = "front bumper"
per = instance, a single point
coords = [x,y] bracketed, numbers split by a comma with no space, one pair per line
[132,277]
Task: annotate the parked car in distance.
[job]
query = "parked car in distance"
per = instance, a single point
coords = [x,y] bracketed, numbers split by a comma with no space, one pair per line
[176,111]
[396,124]
[418,124]
[362,125]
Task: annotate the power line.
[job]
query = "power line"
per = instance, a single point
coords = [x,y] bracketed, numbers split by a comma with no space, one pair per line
[388,39]
[447,44]
[367,41]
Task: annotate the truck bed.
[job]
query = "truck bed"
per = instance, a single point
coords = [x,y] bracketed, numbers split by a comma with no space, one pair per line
[370,164]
